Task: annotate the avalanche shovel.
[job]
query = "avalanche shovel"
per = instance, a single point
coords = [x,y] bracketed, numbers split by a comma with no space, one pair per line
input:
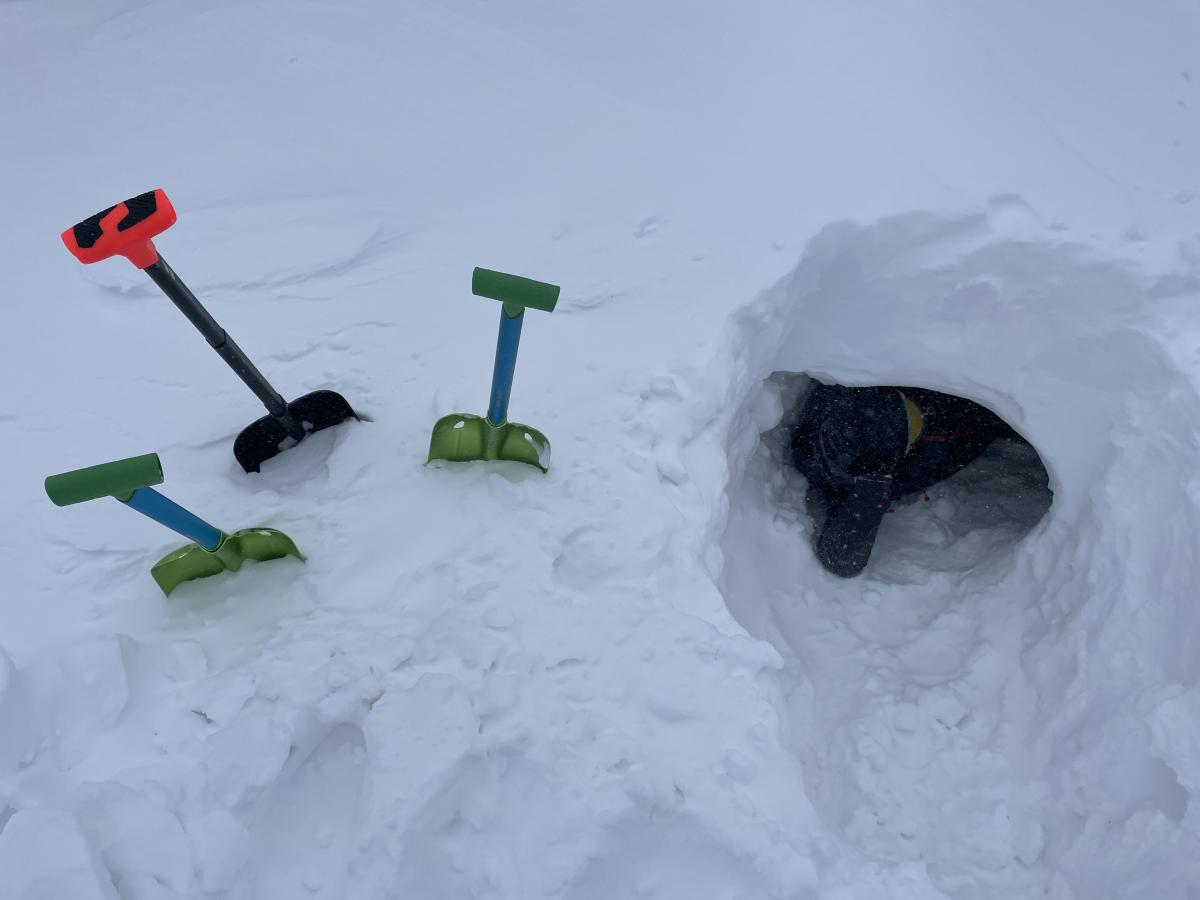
[126,229]
[214,551]
[461,436]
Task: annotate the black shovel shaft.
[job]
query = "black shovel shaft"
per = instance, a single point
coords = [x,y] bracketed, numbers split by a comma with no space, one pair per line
[164,276]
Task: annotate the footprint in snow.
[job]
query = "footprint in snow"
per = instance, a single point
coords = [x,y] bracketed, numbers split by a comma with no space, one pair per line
[304,830]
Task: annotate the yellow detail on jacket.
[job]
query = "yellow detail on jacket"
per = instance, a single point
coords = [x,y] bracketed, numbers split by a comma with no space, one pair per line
[916,421]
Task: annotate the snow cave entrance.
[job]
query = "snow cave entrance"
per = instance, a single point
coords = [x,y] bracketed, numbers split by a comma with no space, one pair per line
[961,523]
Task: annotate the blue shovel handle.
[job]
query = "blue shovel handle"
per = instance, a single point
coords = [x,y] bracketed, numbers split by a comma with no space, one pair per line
[507,342]
[150,502]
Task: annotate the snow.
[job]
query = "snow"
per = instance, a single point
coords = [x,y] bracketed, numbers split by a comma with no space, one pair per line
[627,677]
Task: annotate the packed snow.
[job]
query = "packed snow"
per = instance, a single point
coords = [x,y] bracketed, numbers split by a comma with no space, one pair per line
[628,677]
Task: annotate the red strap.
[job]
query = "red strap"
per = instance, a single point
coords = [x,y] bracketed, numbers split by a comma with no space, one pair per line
[942,438]
[924,493]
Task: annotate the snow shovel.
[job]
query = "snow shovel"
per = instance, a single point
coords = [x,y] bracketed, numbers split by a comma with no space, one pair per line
[126,229]
[461,437]
[214,551]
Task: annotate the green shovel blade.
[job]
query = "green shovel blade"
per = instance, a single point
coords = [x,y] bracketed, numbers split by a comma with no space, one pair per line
[193,561]
[461,437]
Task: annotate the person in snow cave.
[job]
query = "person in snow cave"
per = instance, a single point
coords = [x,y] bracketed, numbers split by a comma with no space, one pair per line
[863,447]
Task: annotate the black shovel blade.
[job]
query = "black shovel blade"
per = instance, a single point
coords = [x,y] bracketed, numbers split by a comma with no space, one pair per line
[266,438]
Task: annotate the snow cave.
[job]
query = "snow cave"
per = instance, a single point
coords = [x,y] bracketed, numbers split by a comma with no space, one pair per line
[1044,593]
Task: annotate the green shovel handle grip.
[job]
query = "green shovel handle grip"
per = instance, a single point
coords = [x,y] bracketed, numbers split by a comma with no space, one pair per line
[515,292]
[113,479]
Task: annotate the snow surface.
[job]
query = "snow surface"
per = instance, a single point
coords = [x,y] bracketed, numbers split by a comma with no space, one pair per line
[629,677]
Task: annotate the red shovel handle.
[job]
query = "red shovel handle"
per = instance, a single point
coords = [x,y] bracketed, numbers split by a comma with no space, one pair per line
[124,229]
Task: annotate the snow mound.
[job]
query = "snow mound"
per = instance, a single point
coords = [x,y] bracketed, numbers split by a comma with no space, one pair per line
[1013,720]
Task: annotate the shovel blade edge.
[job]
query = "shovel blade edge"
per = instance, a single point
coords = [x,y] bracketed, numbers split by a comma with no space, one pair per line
[185,564]
[192,561]
[265,438]
[461,437]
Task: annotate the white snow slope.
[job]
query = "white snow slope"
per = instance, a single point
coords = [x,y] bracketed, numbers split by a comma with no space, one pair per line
[628,677]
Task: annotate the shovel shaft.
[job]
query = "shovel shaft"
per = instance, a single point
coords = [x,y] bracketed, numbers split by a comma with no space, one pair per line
[164,276]
[150,502]
[507,343]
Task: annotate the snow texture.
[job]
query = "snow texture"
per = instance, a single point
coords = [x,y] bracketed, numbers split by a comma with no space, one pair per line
[628,677]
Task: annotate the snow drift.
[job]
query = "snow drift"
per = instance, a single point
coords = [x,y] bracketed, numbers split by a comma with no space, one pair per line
[628,677]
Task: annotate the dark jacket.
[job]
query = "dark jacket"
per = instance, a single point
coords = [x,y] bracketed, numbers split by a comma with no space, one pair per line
[862,448]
